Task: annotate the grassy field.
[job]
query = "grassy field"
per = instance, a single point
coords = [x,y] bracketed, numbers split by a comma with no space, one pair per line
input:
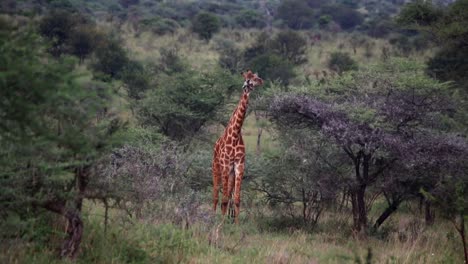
[260,238]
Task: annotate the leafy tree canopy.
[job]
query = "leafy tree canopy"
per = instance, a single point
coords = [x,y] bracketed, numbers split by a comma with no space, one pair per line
[205,25]
[448,28]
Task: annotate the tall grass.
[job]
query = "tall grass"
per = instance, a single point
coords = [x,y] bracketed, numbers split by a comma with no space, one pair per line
[253,241]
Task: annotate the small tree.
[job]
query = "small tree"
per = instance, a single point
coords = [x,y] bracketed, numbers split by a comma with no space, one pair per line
[250,19]
[273,67]
[301,174]
[296,14]
[341,62]
[83,41]
[52,133]
[57,27]
[291,46]
[111,58]
[184,102]
[205,25]
[346,17]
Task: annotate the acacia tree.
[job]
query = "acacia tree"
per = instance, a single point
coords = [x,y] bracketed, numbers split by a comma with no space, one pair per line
[205,25]
[379,118]
[303,174]
[51,134]
[69,33]
[184,102]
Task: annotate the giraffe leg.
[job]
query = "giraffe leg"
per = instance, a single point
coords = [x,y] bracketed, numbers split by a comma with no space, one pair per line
[231,183]
[239,171]
[216,183]
[225,175]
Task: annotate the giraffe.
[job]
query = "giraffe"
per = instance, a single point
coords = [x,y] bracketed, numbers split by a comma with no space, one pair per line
[229,152]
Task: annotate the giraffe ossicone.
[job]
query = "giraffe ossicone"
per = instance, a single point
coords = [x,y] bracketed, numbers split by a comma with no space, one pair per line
[229,152]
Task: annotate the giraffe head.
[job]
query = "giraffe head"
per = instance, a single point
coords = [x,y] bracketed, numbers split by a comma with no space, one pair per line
[251,80]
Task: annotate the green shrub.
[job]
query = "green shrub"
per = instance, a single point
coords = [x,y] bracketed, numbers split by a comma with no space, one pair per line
[296,14]
[273,67]
[346,17]
[160,26]
[184,102]
[341,62]
[170,62]
[136,79]
[250,19]
[324,20]
[111,58]
[291,46]
[205,25]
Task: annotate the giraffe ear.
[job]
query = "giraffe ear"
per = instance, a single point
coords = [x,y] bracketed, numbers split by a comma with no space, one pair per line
[248,75]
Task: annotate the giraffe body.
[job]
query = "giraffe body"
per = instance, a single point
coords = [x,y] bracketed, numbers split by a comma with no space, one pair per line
[229,152]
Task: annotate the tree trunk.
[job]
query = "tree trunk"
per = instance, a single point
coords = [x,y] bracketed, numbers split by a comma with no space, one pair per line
[361,202]
[355,210]
[259,136]
[462,234]
[72,212]
[74,228]
[390,210]
[343,202]
[106,215]
[429,213]
[461,231]
[304,207]
[359,208]
[74,231]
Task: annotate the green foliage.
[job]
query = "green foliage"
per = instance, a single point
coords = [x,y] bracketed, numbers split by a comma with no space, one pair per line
[346,17]
[316,3]
[136,78]
[230,57]
[274,58]
[450,63]
[184,102]
[341,62]
[160,26]
[69,33]
[205,25]
[83,41]
[419,14]
[378,27]
[403,44]
[57,27]
[45,132]
[250,19]
[111,58]
[170,62]
[128,3]
[260,46]
[324,20]
[448,28]
[296,14]
[273,67]
[291,46]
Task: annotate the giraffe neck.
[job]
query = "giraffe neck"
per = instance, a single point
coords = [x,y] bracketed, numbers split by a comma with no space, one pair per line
[237,118]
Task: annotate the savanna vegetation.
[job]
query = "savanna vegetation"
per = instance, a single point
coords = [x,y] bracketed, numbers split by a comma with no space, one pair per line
[356,143]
